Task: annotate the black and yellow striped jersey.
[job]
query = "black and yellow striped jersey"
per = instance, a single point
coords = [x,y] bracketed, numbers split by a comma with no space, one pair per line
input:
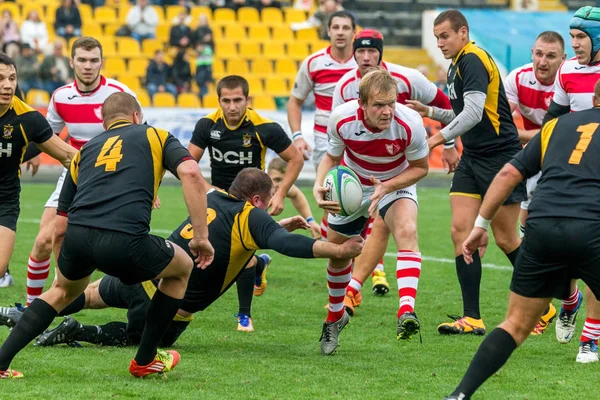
[19,125]
[236,229]
[566,151]
[474,70]
[114,178]
[233,148]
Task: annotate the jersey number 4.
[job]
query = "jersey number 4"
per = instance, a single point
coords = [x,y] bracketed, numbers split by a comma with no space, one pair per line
[587,131]
[110,154]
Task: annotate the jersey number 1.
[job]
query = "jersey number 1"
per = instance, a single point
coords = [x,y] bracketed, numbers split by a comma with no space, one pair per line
[110,154]
[587,131]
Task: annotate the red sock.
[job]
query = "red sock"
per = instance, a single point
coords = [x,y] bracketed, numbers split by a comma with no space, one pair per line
[337,281]
[37,273]
[324,228]
[571,303]
[591,330]
[354,286]
[408,271]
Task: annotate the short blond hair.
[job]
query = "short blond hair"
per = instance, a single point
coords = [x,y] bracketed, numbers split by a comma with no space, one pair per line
[374,82]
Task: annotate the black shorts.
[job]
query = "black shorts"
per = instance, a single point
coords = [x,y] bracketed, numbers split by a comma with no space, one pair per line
[554,251]
[136,299]
[130,258]
[474,175]
[9,213]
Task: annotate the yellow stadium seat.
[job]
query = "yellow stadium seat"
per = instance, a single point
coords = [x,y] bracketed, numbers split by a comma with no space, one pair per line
[210,101]
[235,33]
[285,67]
[149,47]
[200,10]
[298,51]
[143,98]
[93,30]
[114,66]
[307,34]
[188,100]
[250,50]
[256,85]
[237,67]
[104,15]
[161,14]
[260,33]
[276,86]
[261,68]
[163,31]
[283,33]
[111,29]
[272,16]
[273,50]
[224,14]
[109,49]
[123,10]
[128,47]
[163,99]
[172,12]
[85,11]
[217,32]
[138,67]
[248,15]
[264,103]
[319,44]
[14,10]
[218,69]
[294,15]
[226,50]
[36,97]
[132,82]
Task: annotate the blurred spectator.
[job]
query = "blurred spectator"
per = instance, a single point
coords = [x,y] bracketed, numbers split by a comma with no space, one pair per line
[9,34]
[424,69]
[142,20]
[157,75]
[181,35]
[181,72]
[213,4]
[260,4]
[203,34]
[55,70]
[306,5]
[236,4]
[98,3]
[204,61]
[187,5]
[320,18]
[28,66]
[442,79]
[34,32]
[68,20]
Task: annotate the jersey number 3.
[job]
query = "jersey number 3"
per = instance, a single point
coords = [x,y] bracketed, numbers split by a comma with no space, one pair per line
[587,131]
[110,154]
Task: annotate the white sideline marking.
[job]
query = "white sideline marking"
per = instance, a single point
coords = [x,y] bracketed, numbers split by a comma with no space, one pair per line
[451,261]
[425,258]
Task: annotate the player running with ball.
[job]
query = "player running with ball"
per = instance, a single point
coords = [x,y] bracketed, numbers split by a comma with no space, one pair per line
[385,144]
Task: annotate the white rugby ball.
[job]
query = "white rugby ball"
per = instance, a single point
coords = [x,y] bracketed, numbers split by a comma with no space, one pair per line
[344,188]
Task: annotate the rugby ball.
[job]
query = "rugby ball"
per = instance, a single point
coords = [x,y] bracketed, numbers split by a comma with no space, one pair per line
[344,188]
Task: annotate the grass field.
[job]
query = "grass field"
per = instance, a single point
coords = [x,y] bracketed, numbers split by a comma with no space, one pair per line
[281,359]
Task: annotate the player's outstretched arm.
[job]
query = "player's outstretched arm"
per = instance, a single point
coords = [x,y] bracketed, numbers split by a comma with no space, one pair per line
[194,195]
[56,148]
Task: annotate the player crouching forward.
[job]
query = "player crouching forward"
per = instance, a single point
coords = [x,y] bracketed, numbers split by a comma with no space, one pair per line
[384,143]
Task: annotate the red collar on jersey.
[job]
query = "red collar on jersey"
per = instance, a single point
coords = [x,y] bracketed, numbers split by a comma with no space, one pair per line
[361,117]
[91,92]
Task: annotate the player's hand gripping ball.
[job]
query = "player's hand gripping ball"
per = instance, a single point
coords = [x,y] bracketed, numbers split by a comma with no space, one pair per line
[344,188]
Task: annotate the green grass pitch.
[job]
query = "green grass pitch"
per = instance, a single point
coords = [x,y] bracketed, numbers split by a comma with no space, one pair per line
[281,359]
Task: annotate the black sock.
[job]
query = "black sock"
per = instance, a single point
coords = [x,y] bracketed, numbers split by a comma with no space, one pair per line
[469,277]
[37,317]
[245,290]
[7,270]
[160,313]
[512,256]
[490,357]
[111,334]
[77,305]
[258,269]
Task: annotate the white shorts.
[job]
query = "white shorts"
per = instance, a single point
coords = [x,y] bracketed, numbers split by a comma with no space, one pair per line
[319,149]
[354,224]
[53,200]
[531,186]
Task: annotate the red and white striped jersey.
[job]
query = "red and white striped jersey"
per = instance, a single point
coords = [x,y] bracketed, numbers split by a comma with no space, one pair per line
[412,85]
[531,96]
[320,72]
[574,86]
[382,154]
[81,112]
